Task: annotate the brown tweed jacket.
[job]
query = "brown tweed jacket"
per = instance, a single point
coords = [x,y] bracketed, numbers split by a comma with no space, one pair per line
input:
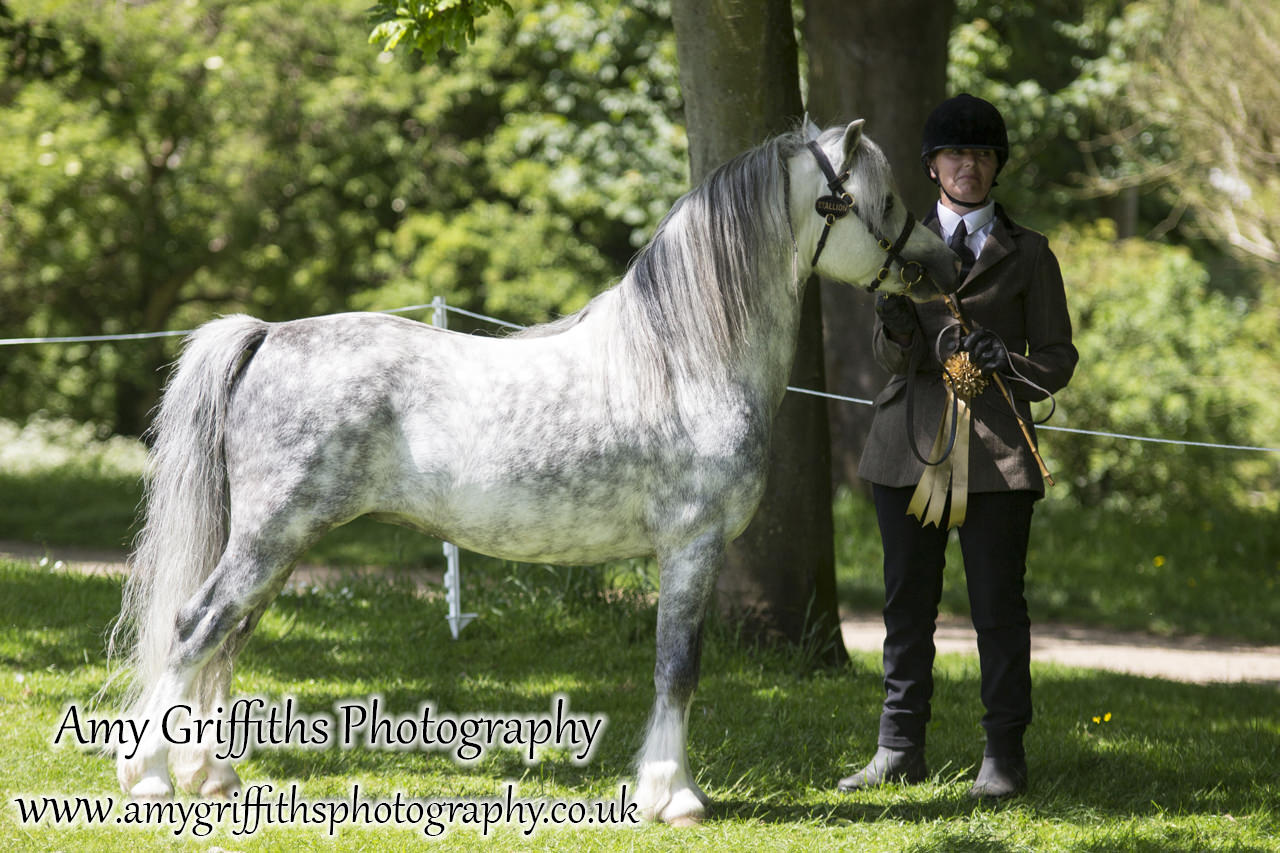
[1016,290]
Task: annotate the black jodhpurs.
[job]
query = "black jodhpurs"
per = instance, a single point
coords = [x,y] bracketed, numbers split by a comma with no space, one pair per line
[993,541]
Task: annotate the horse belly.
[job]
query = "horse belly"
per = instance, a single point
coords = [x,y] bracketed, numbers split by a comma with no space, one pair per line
[554,534]
[539,508]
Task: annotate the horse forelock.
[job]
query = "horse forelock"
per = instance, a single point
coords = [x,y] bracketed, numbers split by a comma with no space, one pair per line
[690,293]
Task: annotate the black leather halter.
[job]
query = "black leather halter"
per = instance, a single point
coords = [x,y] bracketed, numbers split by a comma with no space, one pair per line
[837,206]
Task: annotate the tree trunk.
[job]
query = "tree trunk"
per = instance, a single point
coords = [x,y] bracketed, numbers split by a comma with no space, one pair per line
[739,75]
[885,61]
[740,80]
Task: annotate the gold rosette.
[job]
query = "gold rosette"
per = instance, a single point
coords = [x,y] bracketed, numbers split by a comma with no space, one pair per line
[963,381]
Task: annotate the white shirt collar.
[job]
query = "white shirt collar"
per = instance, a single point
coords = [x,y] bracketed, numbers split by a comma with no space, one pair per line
[978,223]
[974,220]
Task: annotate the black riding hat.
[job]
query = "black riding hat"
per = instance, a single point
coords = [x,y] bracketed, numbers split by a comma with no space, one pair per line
[965,122]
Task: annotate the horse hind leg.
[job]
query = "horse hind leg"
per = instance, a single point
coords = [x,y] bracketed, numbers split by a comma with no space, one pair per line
[205,768]
[195,765]
[142,768]
[666,789]
[197,675]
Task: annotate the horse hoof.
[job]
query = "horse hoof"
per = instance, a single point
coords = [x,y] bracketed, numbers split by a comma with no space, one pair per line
[686,807]
[217,791]
[189,777]
[220,786]
[685,821]
[151,788]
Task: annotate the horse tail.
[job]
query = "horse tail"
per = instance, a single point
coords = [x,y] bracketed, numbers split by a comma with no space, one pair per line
[185,522]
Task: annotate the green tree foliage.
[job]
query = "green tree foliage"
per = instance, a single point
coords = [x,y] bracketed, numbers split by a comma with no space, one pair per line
[1162,355]
[169,161]
[572,152]
[1199,123]
[1049,67]
[213,157]
[1162,112]
[429,25]
[166,162]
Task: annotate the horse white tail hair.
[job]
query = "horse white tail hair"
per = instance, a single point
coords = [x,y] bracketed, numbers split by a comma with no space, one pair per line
[185,527]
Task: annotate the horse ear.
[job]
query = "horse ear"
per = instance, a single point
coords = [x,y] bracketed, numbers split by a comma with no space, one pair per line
[852,138]
[811,130]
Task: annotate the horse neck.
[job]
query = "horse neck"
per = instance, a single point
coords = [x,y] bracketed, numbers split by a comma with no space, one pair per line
[675,357]
[768,349]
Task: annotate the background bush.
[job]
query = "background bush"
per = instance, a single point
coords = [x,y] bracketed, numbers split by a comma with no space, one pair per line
[1163,355]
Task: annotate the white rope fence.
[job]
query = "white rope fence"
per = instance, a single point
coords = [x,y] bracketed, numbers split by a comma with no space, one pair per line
[439,317]
[1148,438]
[83,339]
[439,307]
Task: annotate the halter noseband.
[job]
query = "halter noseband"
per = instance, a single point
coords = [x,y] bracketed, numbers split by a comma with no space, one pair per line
[837,206]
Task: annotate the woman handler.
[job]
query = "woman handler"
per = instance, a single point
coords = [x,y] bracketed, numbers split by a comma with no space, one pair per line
[1011,294]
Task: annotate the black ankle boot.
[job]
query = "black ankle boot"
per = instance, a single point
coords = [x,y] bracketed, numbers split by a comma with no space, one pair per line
[889,765]
[1000,777]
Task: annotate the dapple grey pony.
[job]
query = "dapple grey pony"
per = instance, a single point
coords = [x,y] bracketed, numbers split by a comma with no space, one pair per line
[638,426]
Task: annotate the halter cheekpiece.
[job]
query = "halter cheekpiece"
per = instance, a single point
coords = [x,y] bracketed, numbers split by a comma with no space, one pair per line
[840,203]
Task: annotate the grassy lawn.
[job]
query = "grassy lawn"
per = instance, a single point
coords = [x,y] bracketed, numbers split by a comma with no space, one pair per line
[1118,763]
[1214,573]
[1172,768]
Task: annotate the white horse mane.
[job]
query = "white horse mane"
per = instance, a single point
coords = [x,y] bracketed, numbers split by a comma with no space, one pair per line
[687,299]
[688,296]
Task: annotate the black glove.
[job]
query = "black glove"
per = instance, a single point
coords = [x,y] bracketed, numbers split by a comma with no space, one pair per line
[897,313]
[986,351]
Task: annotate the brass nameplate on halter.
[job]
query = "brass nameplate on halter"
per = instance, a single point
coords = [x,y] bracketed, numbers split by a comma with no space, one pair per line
[834,206]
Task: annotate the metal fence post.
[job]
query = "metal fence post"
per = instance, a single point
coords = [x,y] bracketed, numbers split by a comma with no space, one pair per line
[453,573]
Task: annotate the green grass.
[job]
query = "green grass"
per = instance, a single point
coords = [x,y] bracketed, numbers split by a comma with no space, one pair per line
[1176,768]
[1213,572]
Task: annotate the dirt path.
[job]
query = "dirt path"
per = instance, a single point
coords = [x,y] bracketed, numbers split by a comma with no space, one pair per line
[1198,660]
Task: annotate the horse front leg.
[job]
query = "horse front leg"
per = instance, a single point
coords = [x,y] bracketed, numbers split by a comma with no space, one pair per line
[666,789]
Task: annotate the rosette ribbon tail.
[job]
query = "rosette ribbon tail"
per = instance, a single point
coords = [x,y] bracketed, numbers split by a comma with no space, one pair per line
[951,475]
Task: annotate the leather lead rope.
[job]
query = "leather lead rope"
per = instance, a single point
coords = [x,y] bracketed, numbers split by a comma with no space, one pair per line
[913,367]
